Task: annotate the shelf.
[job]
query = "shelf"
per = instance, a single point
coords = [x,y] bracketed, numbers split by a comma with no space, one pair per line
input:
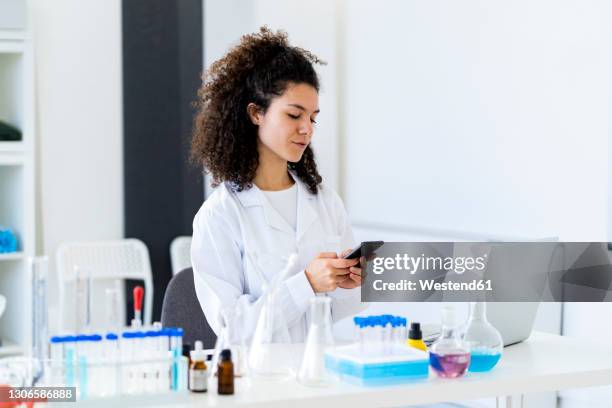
[10,349]
[11,256]
[12,147]
[11,47]
[11,160]
[13,35]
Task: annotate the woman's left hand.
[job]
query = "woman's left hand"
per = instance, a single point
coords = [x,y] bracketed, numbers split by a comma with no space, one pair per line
[353,279]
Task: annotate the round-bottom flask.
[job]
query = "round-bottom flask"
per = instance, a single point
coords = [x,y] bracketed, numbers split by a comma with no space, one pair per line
[485,342]
[449,355]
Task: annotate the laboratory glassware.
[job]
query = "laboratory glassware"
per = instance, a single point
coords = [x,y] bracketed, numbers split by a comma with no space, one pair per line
[39,274]
[113,306]
[83,298]
[230,337]
[320,340]
[271,355]
[449,355]
[485,342]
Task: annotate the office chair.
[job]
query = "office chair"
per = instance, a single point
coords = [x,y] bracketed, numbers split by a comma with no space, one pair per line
[104,261]
[181,308]
[180,253]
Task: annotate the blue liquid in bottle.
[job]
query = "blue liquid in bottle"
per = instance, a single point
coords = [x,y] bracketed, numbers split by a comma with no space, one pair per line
[449,365]
[483,361]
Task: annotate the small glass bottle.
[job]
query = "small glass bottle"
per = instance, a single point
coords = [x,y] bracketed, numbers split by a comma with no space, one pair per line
[225,374]
[415,337]
[449,356]
[198,373]
[485,342]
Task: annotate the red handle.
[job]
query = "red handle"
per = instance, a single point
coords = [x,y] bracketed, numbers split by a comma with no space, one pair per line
[138,295]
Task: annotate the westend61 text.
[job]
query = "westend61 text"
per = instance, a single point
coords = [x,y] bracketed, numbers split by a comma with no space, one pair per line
[430,284]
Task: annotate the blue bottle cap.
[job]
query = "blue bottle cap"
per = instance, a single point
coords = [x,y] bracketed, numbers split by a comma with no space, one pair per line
[128,335]
[80,337]
[57,339]
[177,332]
[95,337]
[111,336]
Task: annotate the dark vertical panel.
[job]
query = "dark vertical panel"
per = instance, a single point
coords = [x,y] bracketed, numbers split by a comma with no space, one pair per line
[162,62]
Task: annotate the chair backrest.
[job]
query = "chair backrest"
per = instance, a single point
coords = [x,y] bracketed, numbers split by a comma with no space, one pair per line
[107,260]
[180,254]
[181,308]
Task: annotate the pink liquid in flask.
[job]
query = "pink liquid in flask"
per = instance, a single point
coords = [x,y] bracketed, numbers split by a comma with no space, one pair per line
[449,365]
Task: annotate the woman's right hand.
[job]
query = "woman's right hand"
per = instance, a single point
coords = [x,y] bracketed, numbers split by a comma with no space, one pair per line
[327,270]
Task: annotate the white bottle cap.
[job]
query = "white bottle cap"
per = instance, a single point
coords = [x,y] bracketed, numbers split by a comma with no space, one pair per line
[197,354]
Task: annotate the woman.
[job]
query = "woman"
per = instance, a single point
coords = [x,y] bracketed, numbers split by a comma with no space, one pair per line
[257,111]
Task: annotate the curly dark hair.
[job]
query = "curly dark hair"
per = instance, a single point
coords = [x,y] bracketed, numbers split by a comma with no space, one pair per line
[258,69]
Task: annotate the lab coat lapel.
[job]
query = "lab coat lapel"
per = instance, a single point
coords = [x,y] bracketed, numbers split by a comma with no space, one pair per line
[306,211]
[255,197]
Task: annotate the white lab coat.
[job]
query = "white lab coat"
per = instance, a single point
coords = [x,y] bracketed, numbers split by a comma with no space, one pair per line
[239,236]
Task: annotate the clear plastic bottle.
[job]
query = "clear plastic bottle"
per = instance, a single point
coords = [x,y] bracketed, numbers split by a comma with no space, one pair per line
[449,356]
[485,342]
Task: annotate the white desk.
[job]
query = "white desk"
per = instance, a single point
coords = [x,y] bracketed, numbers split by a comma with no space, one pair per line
[544,362]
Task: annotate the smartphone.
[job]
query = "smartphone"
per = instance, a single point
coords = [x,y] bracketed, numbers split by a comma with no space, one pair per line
[357,251]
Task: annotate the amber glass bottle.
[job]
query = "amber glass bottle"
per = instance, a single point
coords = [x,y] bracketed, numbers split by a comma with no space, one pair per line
[225,374]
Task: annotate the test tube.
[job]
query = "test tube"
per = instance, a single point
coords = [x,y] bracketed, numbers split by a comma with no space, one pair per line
[111,356]
[56,353]
[69,359]
[83,298]
[151,370]
[128,372]
[113,319]
[176,347]
[96,370]
[81,353]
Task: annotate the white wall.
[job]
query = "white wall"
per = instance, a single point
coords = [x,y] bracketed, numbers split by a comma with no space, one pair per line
[481,117]
[80,120]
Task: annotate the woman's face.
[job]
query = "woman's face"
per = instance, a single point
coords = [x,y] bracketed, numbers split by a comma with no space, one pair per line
[286,128]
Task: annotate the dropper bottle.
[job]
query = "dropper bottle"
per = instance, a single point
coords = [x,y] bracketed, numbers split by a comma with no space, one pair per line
[198,373]
[415,337]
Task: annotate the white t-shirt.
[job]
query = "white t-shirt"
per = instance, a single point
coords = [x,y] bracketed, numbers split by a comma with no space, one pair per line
[285,202]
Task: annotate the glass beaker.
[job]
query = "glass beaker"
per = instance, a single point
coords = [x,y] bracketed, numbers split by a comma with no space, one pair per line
[485,342]
[320,339]
[449,355]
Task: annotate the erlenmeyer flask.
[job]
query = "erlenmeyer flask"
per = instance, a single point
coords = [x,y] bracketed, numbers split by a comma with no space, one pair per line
[485,341]
[230,337]
[320,339]
[271,355]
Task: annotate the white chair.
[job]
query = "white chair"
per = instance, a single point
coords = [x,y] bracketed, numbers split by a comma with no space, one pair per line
[180,254]
[106,260]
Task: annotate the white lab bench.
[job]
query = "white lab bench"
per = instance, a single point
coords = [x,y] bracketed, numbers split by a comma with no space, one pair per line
[545,362]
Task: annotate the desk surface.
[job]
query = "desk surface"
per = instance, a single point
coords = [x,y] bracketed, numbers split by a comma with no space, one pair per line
[544,362]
